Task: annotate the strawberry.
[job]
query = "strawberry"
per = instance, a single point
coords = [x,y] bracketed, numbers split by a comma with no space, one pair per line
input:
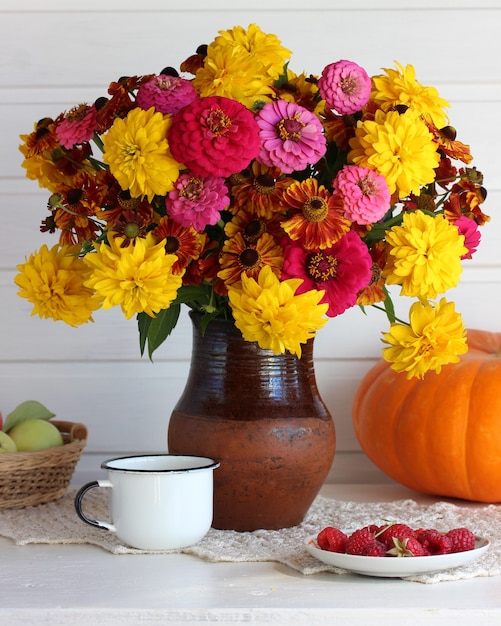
[462,539]
[358,540]
[332,539]
[434,542]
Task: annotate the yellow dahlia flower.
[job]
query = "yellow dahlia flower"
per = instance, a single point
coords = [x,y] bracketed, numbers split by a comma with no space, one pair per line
[230,71]
[424,255]
[399,147]
[137,277]
[137,152]
[268,311]
[54,282]
[436,336]
[401,87]
[265,46]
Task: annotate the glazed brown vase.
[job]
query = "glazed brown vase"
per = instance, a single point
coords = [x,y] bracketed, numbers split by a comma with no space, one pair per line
[262,417]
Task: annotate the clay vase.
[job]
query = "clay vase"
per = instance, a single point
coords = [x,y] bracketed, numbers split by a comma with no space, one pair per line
[262,417]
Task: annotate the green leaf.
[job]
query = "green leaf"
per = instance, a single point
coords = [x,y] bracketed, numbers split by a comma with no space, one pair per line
[187,293]
[143,325]
[388,306]
[161,327]
[30,409]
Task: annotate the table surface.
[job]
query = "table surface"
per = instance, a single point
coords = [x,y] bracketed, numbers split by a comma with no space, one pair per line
[71,585]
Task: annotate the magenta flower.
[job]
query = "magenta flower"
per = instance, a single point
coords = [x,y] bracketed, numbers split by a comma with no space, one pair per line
[214,135]
[197,200]
[167,94]
[469,229]
[291,136]
[78,126]
[345,87]
[366,196]
[341,270]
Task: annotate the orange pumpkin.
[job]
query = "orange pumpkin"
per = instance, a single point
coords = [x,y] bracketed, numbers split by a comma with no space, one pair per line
[440,435]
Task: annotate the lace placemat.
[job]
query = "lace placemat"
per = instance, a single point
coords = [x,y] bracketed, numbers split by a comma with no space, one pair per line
[57,523]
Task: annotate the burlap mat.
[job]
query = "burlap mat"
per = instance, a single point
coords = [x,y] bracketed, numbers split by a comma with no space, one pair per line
[57,523]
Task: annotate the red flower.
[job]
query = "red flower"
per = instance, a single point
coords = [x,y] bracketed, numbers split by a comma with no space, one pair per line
[214,135]
[341,270]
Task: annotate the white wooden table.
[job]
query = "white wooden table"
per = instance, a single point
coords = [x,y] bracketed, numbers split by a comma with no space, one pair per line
[70,585]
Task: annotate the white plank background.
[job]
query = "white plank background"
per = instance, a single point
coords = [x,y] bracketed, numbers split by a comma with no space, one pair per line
[59,53]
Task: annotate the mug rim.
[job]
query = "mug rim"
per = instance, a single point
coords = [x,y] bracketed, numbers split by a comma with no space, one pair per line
[211,464]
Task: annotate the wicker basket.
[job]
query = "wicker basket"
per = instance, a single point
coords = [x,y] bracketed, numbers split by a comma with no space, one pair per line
[30,478]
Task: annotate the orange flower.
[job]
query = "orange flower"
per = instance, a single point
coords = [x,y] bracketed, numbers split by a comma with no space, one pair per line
[339,128]
[204,269]
[300,89]
[121,208]
[374,291]
[77,203]
[261,192]
[317,220]
[252,227]
[466,196]
[238,257]
[446,139]
[120,103]
[185,243]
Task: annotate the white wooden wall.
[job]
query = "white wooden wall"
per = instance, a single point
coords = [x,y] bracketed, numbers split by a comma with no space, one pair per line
[58,53]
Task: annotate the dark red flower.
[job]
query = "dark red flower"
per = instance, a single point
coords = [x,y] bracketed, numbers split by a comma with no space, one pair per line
[214,135]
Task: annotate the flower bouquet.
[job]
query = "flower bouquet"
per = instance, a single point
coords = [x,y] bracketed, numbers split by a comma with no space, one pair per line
[244,190]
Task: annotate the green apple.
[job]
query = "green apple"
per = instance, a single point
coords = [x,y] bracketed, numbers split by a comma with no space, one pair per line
[6,443]
[35,434]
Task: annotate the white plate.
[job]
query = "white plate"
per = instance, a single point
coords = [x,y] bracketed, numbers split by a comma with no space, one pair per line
[396,567]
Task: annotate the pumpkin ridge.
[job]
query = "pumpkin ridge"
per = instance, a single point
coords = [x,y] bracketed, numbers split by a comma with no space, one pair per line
[469,457]
[485,433]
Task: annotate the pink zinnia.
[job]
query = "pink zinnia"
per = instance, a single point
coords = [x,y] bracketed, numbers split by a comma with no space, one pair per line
[291,136]
[167,94]
[197,200]
[345,87]
[214,135]
[78,126]
[366,196]
[341,270]
[469,229]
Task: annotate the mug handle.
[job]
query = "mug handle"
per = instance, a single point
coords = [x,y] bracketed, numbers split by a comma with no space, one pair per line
[78,505]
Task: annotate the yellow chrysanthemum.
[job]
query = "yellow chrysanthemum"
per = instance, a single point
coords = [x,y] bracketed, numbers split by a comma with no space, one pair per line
[436,336]
[269,312]
[137,277]
[231,72]
[424,256]
[265,46]
[54,282]
[399,147]
[137,152]
[401,87]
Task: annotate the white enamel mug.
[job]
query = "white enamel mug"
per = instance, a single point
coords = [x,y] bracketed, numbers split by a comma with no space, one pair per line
[156,501]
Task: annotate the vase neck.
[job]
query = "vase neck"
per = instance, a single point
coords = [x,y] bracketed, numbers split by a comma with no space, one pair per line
[224,365]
